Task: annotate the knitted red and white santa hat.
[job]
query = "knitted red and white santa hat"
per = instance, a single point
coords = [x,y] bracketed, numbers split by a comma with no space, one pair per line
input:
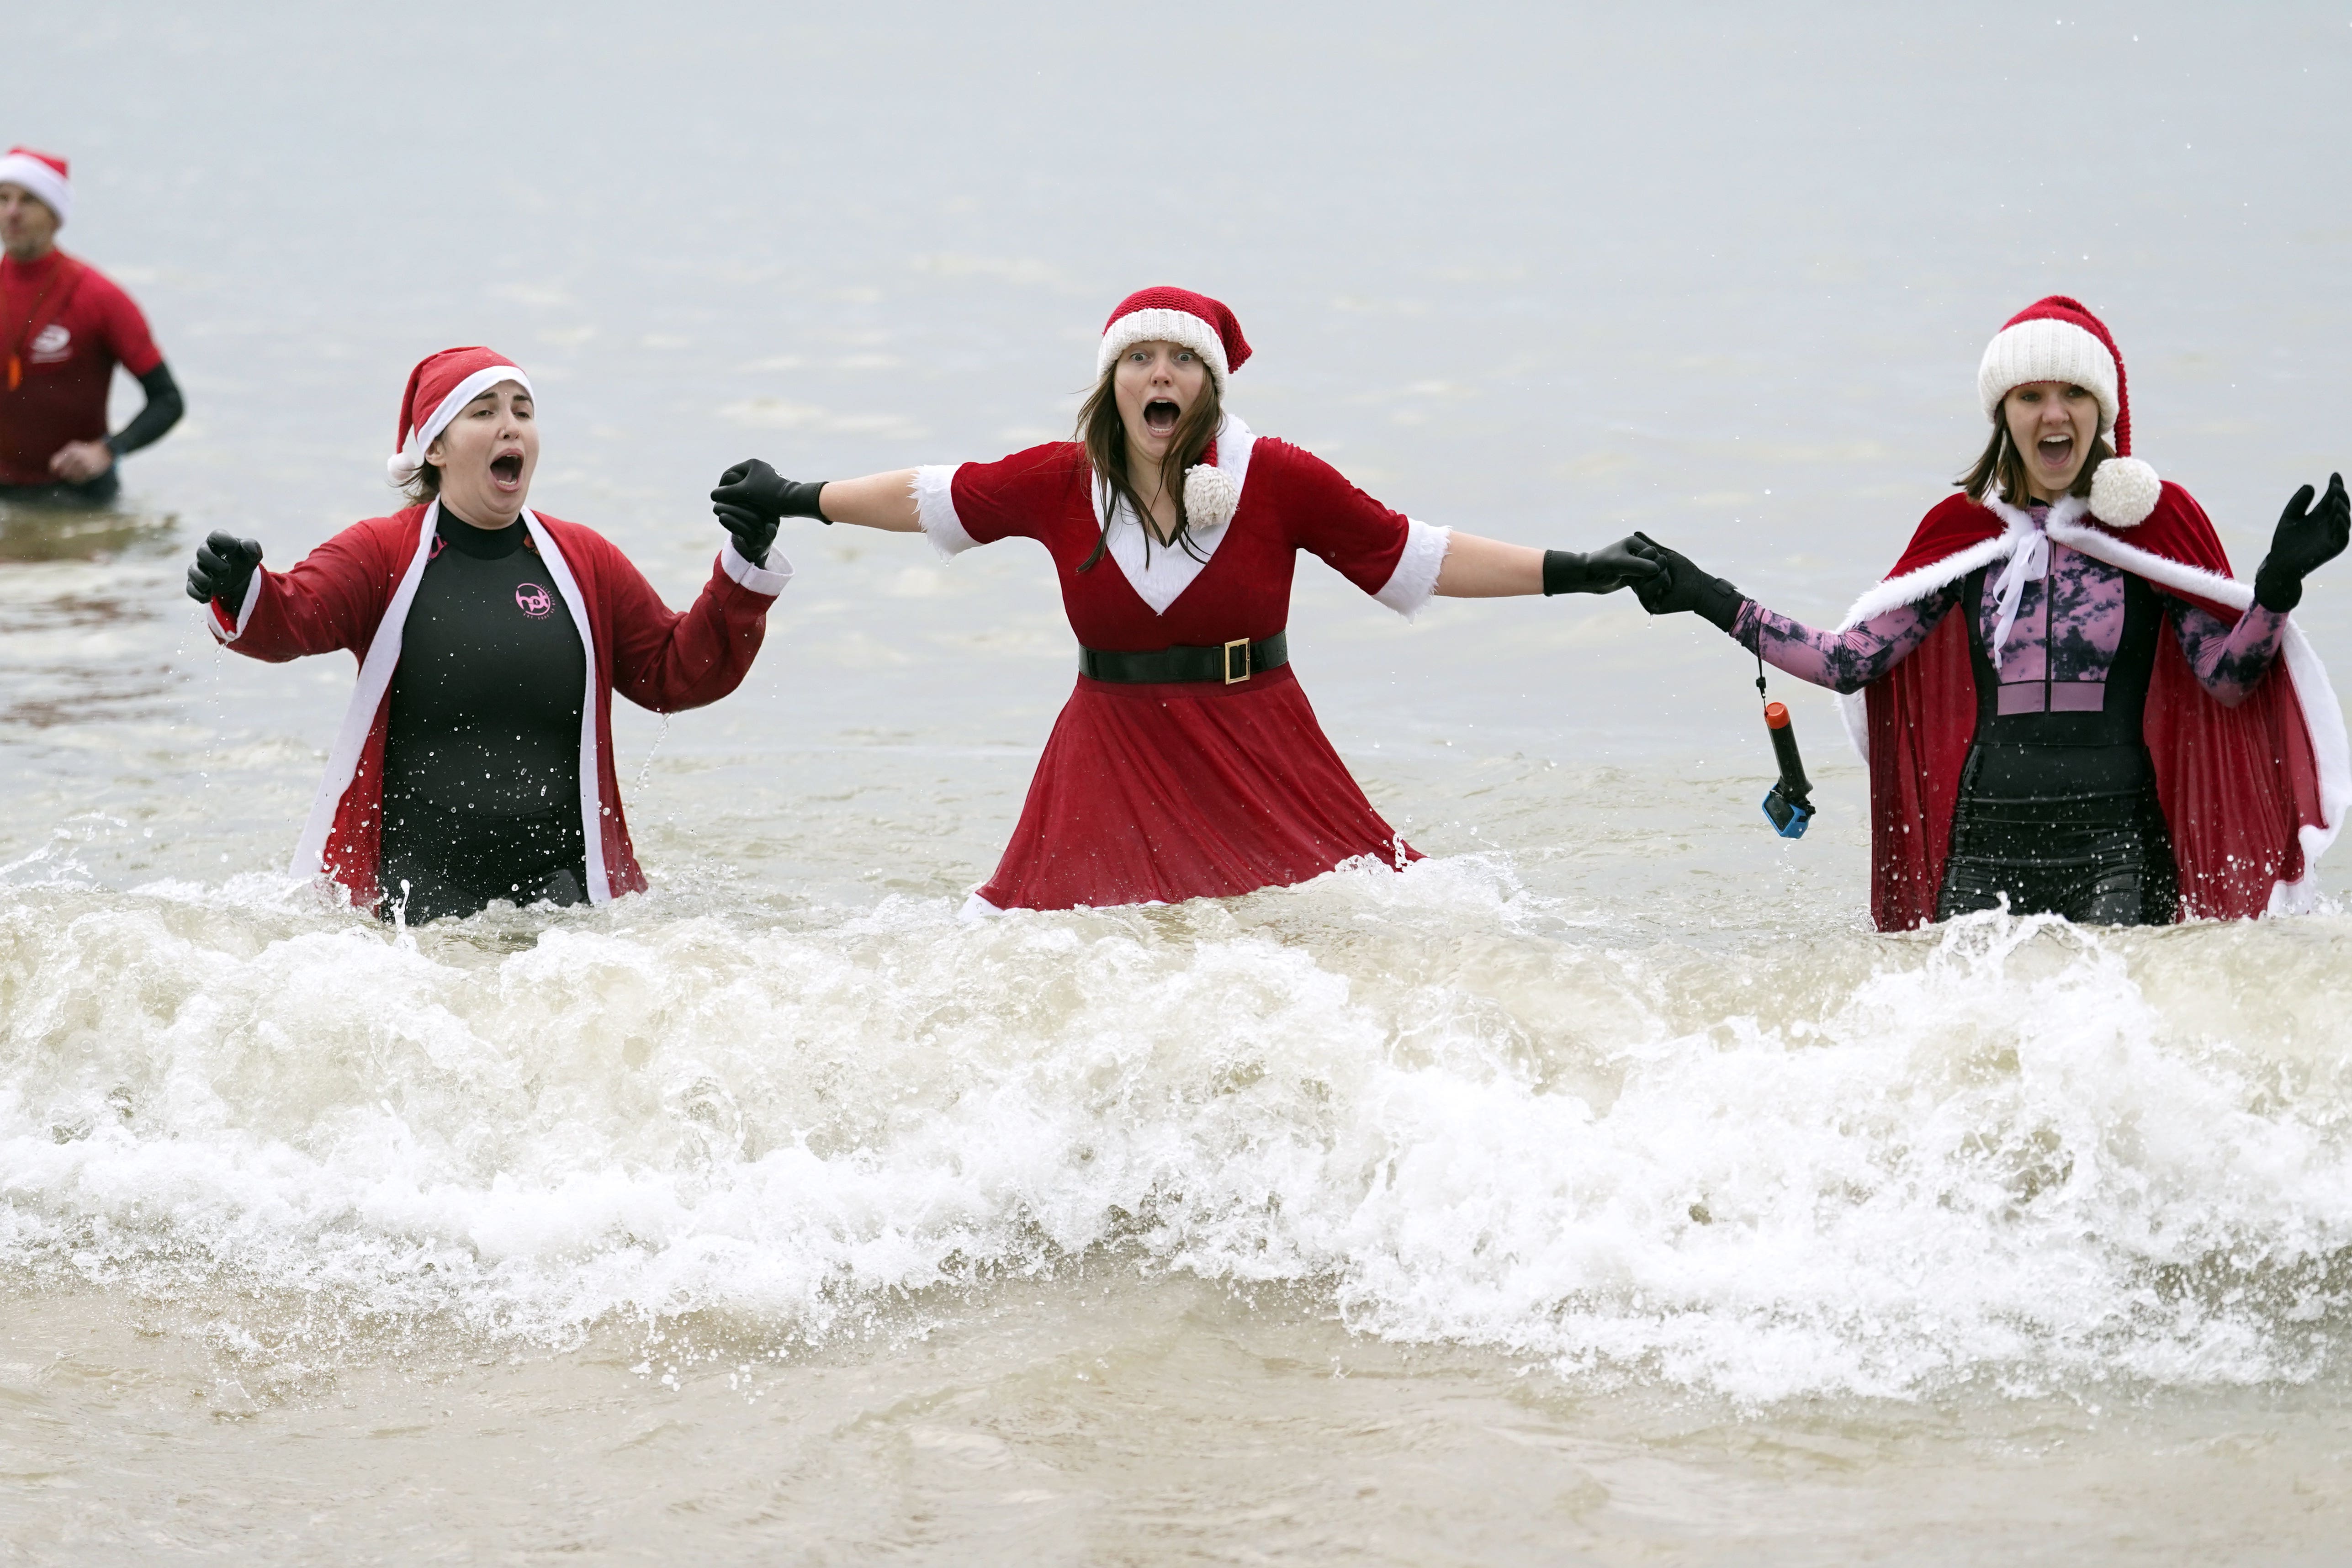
[1175,316]
[439,389]
[2057,339]
[43,173]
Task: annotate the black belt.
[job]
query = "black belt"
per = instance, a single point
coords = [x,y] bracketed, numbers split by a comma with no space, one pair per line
[1232,664]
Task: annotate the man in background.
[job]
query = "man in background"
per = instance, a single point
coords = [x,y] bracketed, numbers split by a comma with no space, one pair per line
[64,326]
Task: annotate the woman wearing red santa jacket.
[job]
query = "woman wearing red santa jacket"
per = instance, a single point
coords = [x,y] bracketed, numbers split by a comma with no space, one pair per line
[1187,762]
[2112,728]
[472,765]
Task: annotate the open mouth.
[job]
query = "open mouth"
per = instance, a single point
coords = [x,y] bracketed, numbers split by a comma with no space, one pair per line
[2055,451]
[507,468]
[1160,416]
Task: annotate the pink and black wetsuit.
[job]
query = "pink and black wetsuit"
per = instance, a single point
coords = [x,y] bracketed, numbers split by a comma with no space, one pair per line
[2057,805]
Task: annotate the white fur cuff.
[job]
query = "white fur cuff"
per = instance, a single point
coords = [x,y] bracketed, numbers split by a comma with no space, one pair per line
[935,509]
[1412,583]
[769,577]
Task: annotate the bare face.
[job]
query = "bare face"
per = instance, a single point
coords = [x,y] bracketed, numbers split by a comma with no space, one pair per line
[1154,386]
[2054,423]
[27,226]
[487,455]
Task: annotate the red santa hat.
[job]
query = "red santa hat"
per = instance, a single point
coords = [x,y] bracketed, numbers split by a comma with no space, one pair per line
[2058,339]
[43,173]
[438,388]
[1175,316]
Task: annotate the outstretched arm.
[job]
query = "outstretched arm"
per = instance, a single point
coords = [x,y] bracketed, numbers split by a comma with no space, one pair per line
[751,494]
[1477,568]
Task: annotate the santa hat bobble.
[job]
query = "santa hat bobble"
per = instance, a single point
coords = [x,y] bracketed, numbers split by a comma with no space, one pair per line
[44,174]
[438,388]
[2057,339]
[1205,326]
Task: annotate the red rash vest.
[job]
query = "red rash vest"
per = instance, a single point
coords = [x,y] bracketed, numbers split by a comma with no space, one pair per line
[64,326]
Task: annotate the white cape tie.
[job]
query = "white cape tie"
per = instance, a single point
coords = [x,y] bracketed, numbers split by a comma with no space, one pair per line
[2030,564]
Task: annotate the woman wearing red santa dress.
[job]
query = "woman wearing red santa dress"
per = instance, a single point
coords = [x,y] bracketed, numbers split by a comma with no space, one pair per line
[2111,728]
[1187,762]
[472,764]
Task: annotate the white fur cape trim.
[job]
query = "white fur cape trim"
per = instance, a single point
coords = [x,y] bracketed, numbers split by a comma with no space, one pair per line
[375,680]
[2323,715]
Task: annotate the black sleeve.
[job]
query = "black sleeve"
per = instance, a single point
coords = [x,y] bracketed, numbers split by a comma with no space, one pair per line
[164,406]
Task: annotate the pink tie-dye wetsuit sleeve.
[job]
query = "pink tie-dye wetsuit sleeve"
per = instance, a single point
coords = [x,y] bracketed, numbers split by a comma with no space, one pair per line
[2230,660]
[1844,660]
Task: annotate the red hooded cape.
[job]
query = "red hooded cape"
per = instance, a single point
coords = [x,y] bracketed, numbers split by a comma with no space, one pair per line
[2253,794]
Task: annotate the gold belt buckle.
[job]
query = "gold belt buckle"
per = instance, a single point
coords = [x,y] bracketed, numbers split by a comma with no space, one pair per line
[1243,645]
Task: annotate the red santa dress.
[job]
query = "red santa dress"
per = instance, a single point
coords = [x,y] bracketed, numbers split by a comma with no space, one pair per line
[355,592]
[1158,793]
[2253,794]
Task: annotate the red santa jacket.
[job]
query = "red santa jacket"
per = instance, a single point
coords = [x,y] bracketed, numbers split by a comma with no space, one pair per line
[2251,795]
[353,592]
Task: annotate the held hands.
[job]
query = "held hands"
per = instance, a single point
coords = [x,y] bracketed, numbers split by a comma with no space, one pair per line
[223,570]
[2308,537]
[752,498]
[1602,570]
[1682,586]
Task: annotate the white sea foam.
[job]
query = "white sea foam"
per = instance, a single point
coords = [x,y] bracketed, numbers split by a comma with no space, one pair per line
[1812,1164]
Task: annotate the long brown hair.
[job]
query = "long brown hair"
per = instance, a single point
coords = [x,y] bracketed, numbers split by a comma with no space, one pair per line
[1104,435]
[2002,462]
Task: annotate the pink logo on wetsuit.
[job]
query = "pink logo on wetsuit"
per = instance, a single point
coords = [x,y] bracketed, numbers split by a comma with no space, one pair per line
[533,600]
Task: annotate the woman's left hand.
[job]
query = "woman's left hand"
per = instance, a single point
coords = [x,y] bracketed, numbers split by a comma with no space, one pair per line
[2308,537]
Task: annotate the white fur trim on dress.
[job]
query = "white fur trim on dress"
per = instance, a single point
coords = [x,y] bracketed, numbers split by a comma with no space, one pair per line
[1181,327]
[2323,715]
[404,465]
[934,493]
[2123,492]
[375,678]
[2047,350]
[1412,583]
[770,577]
[1158,574]
[244,611]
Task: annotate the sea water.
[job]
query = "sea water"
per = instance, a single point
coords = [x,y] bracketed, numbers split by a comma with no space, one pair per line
[1602,1188]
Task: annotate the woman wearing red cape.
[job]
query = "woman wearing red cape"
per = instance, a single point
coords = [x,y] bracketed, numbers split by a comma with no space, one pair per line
[1187,762]
[2113,729]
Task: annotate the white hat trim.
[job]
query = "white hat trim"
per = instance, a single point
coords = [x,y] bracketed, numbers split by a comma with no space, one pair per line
[2045,348]
[16,169]
[1181,327]
[404,465]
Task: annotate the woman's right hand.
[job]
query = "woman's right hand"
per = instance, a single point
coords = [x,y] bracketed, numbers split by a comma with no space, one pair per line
[1682,586]
[755,488]
[223,570]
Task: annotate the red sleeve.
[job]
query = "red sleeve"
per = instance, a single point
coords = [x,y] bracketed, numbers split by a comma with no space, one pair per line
[333,598]
[1020,495]
[125,329]
[668,661]
[1362,539]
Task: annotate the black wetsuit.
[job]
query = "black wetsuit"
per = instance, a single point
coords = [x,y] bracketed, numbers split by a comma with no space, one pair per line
[2058,810]
[481,785]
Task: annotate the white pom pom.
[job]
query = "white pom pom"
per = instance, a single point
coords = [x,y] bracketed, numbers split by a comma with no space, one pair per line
[401,467]
[2124,491]
[1211,497]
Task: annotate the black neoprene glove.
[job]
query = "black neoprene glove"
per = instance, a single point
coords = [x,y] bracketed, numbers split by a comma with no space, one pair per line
[223,570]
[1682,586]
[760,489]
[2308,537]
[1602,570]
[753,532]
